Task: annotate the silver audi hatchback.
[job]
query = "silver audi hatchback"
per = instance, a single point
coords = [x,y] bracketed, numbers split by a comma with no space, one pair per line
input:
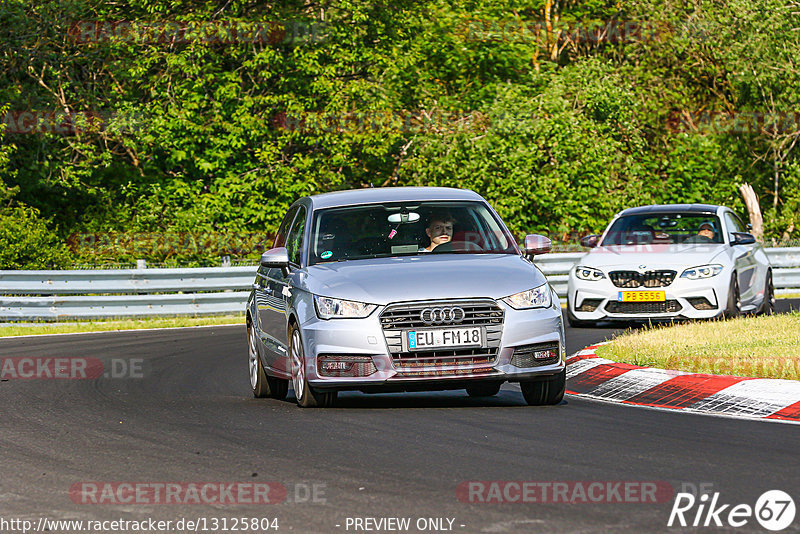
[402,289]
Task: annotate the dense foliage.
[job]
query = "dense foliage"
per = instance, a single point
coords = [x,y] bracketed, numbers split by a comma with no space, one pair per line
[189,122]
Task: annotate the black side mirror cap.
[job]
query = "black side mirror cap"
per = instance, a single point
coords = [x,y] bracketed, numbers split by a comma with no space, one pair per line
[589,241]
[742,238]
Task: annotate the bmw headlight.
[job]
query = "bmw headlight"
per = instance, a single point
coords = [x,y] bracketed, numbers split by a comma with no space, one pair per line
[328,308]
[588,273]
[703,271]
[538,297]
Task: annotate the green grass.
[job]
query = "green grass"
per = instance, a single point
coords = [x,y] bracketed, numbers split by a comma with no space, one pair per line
[761,347]
[121,324]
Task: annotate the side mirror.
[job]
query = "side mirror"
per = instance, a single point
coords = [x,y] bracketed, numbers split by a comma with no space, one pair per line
[742,238]
[537,244]
[589,241]
[275,258]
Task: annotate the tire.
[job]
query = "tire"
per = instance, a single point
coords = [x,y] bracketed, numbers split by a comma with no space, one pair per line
[306,396]
[261,383]
[768,305]
[734,307]
[577,323]
[545,392]
[484,389]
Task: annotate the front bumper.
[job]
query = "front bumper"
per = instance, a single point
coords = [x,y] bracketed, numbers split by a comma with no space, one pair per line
[685,299]
[367,337]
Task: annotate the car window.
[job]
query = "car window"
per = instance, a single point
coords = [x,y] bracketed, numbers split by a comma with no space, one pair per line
[732,224]
[280,237]
[294,239]
[398,229]
[663,228]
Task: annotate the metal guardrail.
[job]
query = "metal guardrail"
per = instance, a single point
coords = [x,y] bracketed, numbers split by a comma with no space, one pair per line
[84,294]
[126,281]
[107,306]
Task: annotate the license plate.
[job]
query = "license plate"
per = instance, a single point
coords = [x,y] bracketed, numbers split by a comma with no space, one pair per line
[642,296]
[444,337]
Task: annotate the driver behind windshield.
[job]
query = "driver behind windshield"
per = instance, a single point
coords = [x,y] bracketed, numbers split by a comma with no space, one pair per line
[439,230]
[705,234]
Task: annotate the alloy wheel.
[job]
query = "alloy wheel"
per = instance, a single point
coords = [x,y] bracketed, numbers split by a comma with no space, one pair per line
[298,366]
[253,353]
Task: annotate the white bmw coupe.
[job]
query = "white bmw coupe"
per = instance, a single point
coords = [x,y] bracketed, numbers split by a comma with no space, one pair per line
[679,261]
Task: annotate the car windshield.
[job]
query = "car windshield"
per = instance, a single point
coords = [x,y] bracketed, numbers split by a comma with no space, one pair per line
[407,228]
[664,228]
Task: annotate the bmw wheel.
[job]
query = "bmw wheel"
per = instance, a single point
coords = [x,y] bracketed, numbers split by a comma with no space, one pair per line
[768,305]
[306,396]
[734,307]
[545,392]
[261,383]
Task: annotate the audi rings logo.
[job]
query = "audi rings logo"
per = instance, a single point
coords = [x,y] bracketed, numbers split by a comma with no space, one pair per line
[442,315]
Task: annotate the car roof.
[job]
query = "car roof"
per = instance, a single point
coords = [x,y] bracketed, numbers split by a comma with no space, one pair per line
[375,195]
[710,209]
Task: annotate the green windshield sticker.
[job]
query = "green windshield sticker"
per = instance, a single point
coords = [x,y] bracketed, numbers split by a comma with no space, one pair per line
[325,255]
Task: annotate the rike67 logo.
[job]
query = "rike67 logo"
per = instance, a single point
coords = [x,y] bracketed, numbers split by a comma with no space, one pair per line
[774,510]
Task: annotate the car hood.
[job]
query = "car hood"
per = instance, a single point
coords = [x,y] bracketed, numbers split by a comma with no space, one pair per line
[652,256]
[425,277]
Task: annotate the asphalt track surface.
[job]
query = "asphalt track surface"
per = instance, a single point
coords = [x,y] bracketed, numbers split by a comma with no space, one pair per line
[191,418]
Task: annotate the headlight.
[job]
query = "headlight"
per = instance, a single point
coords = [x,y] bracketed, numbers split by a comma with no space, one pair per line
[588,273]
[704,271]
[538,297]
[328,308]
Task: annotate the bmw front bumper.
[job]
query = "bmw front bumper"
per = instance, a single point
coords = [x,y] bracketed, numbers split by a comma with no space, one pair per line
[685,299]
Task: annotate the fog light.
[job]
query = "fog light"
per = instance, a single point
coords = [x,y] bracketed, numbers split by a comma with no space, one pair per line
[535,355]
[348,366]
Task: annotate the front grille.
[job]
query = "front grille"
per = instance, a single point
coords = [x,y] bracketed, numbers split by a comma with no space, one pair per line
[669,306]
[630,279]
[398,318]
[700,303]
[526,355]
[589,305]
[407,316]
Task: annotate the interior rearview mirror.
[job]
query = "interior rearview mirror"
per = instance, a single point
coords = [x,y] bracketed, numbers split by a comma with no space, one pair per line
[404,217]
